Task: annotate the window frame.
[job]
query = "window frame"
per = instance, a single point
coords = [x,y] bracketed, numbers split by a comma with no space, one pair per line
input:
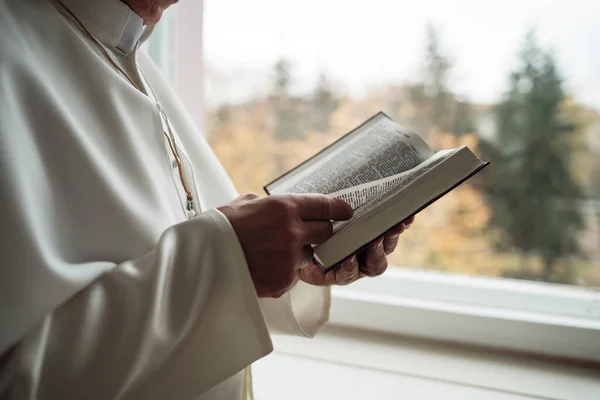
[160,45]
[532,317]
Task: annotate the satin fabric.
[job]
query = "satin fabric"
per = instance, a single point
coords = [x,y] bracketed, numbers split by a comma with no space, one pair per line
[107,289]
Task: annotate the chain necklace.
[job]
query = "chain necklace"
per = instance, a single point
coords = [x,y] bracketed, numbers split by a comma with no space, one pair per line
[170,137]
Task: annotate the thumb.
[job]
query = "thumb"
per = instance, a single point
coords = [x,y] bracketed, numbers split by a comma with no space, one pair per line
[313,275]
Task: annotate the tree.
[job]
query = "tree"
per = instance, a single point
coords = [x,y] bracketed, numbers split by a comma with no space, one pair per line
[288,118]
[436,105]
[218,122]
[282,78]
[451,235]
[323,104]
[436,84]
[595,178]
[462,122]
[530,185]
[593,152]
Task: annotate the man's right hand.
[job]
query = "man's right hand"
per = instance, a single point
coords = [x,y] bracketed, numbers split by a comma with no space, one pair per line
[276,233]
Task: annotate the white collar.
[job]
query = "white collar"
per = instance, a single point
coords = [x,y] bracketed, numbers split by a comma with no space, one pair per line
[112,22]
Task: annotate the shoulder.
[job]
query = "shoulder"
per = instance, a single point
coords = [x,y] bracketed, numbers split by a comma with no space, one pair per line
[29,29]
[46,66]
[35,40]
[23,26]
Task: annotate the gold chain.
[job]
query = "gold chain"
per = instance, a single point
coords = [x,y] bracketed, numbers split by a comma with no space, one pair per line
[172,145]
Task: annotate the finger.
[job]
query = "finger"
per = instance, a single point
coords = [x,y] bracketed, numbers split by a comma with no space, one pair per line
[313,275]
[398,229]
[316,232]
[390,242]
[375,259]
[246,197]
[322,207]
[307,257]
[346,273]
[401,227]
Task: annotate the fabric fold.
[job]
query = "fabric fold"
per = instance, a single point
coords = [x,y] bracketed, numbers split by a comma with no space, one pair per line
[105,289]
[106,342]
[303,311]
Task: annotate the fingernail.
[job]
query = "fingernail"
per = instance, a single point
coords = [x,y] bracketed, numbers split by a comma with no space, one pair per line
[351,261]
[379,242]
[407,226]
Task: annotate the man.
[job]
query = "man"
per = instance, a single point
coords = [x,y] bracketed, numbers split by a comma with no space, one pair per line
[128,269]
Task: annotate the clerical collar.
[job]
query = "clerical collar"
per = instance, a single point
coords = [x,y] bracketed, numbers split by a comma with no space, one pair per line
[112,22]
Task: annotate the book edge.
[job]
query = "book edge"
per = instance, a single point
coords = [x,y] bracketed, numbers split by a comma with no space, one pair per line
[425,205]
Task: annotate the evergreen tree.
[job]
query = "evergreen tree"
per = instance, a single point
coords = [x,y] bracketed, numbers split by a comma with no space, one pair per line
[435,103]
[594,183]
[282,78]
[219,120]
[530,187]
[436,84]
[223,115]
[462,122]
[288,119]
[323,104]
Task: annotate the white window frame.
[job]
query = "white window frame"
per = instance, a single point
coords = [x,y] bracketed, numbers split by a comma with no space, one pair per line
[160,46]
[553,320]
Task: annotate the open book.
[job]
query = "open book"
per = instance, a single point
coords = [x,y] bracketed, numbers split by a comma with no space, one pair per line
[385,172]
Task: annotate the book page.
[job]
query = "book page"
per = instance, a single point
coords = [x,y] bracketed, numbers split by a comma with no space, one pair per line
[363,198]
[380,150]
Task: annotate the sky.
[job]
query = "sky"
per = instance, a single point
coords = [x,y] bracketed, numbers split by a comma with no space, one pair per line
[362,45]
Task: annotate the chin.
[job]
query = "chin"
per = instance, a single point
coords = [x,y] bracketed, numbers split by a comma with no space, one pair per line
[150,10]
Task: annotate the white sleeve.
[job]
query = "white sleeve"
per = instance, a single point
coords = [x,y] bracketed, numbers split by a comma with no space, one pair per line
[305,309]
[302,311]
[170,324]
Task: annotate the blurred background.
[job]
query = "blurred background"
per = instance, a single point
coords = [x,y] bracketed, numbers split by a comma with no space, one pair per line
[517,81]
[270,83]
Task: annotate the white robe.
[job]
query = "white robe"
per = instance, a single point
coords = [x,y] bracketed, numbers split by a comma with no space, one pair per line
[107,290]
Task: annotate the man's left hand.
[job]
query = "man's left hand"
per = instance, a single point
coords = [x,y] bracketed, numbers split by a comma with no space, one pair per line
[371,262]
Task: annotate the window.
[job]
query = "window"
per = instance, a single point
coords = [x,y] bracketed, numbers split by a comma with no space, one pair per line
[513,80]
[515,250]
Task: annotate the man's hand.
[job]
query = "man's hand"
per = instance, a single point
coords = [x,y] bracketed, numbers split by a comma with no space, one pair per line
[276,233]
[370,262]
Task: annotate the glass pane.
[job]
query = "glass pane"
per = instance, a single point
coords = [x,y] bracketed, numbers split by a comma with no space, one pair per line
[514,80]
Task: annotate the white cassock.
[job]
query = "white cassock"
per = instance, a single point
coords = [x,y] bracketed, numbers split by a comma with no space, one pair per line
[108,287]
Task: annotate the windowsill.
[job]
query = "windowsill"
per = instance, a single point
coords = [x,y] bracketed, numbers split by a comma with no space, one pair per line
[424,335]
[345,363]
[555,321]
